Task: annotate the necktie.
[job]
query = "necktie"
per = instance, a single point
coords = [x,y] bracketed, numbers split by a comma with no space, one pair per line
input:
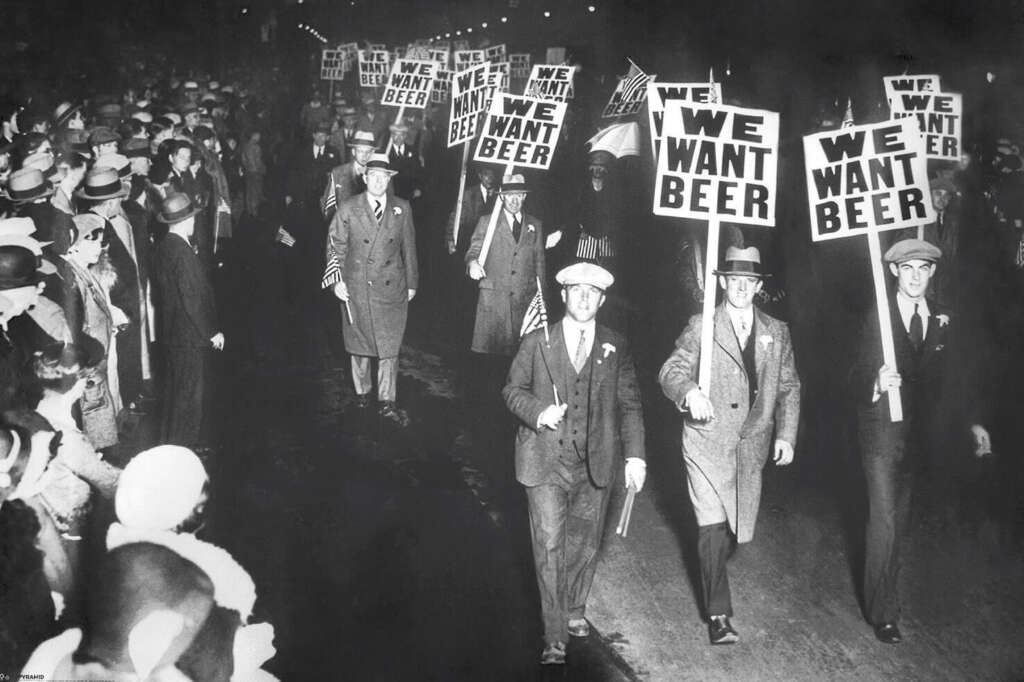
[916,329]
[743,333]
[581,352]
[378,210]
[517,228]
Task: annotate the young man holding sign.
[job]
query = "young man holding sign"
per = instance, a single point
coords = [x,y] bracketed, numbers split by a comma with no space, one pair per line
[727,437]
[921,332]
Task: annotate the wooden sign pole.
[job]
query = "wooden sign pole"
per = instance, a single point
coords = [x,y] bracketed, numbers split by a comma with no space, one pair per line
[398,121]
[489,236]
[707,319]
[462,191]
[884,321]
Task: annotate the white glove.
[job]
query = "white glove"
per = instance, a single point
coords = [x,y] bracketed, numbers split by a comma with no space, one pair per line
[552,416]
[636,473]
[341,291]
[553,239]
[783,453]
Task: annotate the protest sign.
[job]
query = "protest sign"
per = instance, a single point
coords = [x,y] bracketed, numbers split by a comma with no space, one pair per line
[409,84]
[442,86]
[498,77]
[718,160]
[868,177]
[862,180]
[417,52]
[440,55]
[519,63]
[939,117]
[629,95]
[659,93]
[469,99]
[331,65]
[916,83]
[377,47]
[466,58]
[550,82]
[520,131]
[496,53]
[397,54]
[373,67]
[349,55]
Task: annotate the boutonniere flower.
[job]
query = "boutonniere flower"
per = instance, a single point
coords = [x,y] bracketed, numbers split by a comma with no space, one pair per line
[765,340]
[529,228]
[397,210]
[943,320]
[608,349]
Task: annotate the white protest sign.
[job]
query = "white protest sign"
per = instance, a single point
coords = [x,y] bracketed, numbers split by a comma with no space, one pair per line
[417,52]
[519,63]
[550,82]
[867,177]
[498,76]
[659,93]
[373,67]
[520,131]
[466,58]
[349,55]
[377,47]
[470,94]
[442,86]
[331,65]
[940,118]
[496,53]
[718,161]
[917,83]
[440,55]
[409,84]
[628,97]
[397,53]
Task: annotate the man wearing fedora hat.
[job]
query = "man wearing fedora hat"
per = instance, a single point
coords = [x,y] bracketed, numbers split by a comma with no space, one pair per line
[31,192]
[372,118]
[375,241]
[404,159]
[344,129]
[187,327]
[892,453]
[346,181]
[566,453]
[727,436]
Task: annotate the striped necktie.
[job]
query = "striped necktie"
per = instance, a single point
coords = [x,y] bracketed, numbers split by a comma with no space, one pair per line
[580,358]
[378,210]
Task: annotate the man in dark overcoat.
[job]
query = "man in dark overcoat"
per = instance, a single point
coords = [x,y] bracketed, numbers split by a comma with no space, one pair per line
[727,436]
[890,451]
[375,241]
[346,180]
[566,452]
[187,327]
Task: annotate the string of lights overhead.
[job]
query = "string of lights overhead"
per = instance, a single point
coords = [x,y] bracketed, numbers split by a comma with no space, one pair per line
[547,14]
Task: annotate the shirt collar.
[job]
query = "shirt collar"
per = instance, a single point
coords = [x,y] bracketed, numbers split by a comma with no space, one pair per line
[571,331]
[737,315]
[511,217]
[906,307]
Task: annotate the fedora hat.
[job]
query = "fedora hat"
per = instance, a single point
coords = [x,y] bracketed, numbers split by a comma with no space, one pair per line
[513,183]
[742,262]
[22,232]
[19,267]
[177,208]
[44,162]
[118,162]
[101,183]
[379,162]
[363,138]
[63,113]
[103,135]
[28,184]
[398,128]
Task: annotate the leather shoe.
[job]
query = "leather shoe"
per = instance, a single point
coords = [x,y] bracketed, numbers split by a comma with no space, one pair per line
[720,631]
[396,414]
[888,633]
[554,654]
[579,627]
[362,400]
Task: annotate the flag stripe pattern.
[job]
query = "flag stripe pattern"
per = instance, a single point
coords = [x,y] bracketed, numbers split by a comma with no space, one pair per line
[633,83]
[536,316]
[332,273]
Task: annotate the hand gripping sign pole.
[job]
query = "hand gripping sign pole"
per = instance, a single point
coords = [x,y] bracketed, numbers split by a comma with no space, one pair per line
[884,322]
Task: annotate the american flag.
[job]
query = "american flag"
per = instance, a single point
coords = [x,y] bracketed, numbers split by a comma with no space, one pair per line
[332,273]
[633,83]
[536,316]
[329,200]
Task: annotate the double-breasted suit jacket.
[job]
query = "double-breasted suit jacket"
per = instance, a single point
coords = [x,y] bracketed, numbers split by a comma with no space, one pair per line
[725,456]
[615,420]
[378,265]
[512,270]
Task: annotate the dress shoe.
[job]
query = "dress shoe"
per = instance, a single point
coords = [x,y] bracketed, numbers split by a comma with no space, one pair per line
[888,633]
[362,400]
[579,627]
[396,414]
[720,631]
[554,654]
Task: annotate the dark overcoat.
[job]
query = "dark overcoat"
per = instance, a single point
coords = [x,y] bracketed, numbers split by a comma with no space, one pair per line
[378,265]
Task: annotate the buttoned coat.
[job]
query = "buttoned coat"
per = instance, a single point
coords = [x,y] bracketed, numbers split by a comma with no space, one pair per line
[378,265]
[186,310]
[512,270]
[726,455]
[616,428]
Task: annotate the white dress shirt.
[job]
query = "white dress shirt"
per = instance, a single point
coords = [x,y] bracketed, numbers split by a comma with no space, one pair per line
[906,308]
[740,318]
[571,331]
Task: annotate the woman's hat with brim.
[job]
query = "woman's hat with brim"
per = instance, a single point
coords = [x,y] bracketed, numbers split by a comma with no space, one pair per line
[742,262]
[380,163]
[102,183]
[177,208]
[27,184]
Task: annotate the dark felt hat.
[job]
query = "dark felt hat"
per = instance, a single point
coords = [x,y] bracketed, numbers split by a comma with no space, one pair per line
[176,208]
[742,262]
[102,183]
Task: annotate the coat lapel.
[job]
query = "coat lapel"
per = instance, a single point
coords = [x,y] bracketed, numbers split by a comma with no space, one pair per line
[725,337]
[763,329]
[556,361]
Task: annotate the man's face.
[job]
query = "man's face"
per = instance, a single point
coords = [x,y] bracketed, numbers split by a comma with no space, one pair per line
[106,148]
[181,159]
[912,276]
[192,119]
[740,289]
[76,122]
[582,301]
[398,138]
[319,138]
[377,182]
[362,154]
[940,199]
[349,120]
[513,201]
[598,172]
[488,178]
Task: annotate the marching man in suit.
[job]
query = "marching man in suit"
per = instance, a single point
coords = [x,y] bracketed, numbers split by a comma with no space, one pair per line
[347,180]
[727,437]
[375,241]
[566,452]
[890,451]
